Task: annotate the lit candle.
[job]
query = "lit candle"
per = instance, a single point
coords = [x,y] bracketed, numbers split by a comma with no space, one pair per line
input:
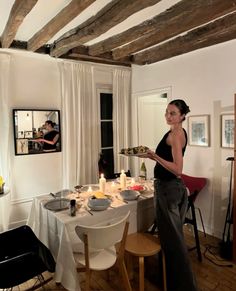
[102,183]
[90,189]
[122,179]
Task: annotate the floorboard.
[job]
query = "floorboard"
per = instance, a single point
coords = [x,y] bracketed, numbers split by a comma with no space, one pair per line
[211,273]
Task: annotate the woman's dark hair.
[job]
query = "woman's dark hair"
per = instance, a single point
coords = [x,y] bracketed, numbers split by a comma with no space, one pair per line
[49,122]
[181,105]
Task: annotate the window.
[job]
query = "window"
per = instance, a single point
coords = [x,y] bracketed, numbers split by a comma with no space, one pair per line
[106,163]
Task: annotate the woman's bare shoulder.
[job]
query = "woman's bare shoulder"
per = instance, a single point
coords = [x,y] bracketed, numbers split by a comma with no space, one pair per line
[176,135]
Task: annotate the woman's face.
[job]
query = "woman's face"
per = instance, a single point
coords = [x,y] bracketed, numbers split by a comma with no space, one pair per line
[173,115]
[47,126]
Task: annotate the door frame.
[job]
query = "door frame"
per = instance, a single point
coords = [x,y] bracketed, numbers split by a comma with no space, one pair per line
[234,192]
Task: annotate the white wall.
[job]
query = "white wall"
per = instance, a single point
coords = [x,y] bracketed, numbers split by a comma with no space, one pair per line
[35,83]
[205,79]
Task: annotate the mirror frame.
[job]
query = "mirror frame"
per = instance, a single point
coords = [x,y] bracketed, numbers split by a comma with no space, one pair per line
[32,131]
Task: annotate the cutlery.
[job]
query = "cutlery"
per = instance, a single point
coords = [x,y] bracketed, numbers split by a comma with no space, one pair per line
[88,211]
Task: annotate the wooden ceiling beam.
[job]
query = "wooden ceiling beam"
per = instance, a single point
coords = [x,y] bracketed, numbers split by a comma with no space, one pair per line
[73,9]
[18,12]
[122,38]
[181,17]
[112,14]
[81,53]
[221,30]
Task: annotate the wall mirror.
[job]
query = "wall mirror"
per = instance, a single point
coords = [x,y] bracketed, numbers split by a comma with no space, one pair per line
[36,131]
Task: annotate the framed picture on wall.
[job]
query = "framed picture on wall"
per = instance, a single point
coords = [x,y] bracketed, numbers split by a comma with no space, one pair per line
[22,146]
[227,130]
[199,130]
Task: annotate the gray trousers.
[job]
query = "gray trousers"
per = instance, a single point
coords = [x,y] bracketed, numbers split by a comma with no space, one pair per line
[171,206]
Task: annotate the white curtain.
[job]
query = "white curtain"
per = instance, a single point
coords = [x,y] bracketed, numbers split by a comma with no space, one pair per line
[80,124]
[5,145]
[121,116]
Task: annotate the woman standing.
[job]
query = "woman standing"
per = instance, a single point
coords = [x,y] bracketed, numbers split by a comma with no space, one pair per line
[171,198]
[50,137]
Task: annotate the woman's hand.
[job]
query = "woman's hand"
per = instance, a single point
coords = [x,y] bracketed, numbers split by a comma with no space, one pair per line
[151,155]
[39,140]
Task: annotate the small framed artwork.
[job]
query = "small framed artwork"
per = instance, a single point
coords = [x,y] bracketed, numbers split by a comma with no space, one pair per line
[199,130]
[227,130]
[22,146]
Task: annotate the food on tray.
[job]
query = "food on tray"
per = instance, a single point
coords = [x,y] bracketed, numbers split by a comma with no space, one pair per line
[135,150]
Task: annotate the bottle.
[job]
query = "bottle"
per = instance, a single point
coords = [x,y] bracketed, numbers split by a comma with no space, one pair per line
[123,179]
[73,207]
[143,171]
[102,183]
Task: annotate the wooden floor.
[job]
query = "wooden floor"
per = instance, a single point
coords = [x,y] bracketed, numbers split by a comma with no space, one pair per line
[209,275]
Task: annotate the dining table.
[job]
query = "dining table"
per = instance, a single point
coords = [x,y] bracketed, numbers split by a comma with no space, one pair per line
[56,229]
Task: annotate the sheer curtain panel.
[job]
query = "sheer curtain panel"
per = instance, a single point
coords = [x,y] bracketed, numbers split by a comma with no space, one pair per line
[5,148]
[80,124]
[121,116]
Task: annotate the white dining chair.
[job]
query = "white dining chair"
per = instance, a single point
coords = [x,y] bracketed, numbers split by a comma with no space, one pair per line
[100,252]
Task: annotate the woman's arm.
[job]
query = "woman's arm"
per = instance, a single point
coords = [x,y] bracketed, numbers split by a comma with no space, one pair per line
[54,141]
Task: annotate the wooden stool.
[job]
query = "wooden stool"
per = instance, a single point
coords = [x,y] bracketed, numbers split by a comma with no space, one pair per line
[144,245]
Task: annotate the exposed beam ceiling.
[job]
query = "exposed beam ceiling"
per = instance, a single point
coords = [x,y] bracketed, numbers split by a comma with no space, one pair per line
[181,17]
[111,15]
[204,36]
[121,32]
[18,12]
[73,9]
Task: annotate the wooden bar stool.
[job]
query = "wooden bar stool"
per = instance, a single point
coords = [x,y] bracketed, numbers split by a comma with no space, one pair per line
[144,245]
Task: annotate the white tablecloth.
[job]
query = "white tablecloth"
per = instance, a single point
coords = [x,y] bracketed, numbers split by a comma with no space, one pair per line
[57,231]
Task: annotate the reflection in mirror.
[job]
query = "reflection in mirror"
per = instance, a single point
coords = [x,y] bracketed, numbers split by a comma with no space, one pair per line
[36,131]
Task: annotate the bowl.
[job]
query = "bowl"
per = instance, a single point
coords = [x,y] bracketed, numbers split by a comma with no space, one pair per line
[98,204]
[129,194]
[139,188]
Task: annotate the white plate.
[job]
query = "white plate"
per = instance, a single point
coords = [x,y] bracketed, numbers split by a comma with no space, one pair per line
[129,195]
[63,193]
[57,204]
